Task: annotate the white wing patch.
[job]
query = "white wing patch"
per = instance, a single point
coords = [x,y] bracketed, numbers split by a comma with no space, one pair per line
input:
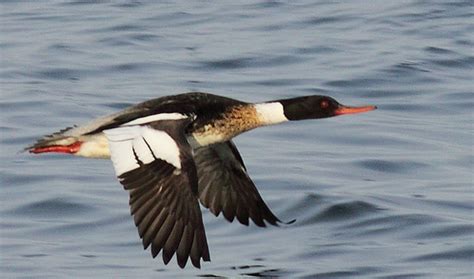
[148,144]
[142,150]
[120,146]
[163,146]
[156,117]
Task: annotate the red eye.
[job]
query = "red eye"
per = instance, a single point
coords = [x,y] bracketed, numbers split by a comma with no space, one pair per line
[324,104]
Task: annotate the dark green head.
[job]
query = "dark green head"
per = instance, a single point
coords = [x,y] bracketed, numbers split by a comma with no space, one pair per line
[313,107]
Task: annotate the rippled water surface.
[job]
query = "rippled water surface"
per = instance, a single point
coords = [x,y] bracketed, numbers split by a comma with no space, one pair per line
[386,194]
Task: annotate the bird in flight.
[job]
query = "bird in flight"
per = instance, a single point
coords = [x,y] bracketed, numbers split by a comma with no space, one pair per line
[171,153]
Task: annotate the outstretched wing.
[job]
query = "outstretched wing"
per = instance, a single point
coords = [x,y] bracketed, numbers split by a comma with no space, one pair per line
[154,163]
[224,185]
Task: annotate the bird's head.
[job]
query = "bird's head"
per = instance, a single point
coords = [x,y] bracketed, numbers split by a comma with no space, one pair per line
[313,107]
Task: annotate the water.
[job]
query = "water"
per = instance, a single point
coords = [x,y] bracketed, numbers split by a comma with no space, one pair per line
[386,194]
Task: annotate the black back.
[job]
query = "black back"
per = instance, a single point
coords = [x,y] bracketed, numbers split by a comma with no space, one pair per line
[203,105]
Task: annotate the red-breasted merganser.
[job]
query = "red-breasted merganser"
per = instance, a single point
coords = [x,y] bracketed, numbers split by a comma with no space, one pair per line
[172,151]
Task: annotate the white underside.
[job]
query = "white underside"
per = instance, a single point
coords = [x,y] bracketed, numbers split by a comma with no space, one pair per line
[204,139]
[94,147]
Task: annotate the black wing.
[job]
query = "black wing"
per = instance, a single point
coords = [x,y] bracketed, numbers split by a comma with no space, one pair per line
[224,185]
[154,163]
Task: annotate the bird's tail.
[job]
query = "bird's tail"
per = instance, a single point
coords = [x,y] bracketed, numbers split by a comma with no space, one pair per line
[60,142]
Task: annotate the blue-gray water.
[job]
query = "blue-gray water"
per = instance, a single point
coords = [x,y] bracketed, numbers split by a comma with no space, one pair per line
[386,194]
